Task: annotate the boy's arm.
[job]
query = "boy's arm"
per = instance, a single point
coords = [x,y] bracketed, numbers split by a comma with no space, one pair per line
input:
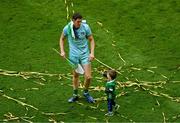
[109,92]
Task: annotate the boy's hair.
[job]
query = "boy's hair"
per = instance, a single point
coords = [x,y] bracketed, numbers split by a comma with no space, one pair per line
[112,74]
[77,16]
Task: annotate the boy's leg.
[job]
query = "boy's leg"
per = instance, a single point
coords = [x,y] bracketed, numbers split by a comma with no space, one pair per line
[87,81]
[116,106]
[113,102]
[109,103]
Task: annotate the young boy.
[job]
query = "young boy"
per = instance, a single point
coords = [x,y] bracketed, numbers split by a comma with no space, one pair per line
[110,91]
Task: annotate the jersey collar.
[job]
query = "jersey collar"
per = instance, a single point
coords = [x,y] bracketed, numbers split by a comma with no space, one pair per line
[111,81]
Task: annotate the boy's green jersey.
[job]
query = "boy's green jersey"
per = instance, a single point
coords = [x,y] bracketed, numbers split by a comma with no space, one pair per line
[110,89]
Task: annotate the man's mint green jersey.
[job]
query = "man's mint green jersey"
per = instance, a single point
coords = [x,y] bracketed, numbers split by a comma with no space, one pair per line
[110,89]
[78,46]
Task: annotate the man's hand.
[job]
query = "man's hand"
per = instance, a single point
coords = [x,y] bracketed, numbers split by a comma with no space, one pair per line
[63,54]
[92,45]
[91,57]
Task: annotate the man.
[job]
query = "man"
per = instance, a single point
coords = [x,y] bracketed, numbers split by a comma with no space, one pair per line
[78,35]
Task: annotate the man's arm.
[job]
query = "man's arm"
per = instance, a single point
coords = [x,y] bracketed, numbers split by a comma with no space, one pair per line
[61,44]
[92,46]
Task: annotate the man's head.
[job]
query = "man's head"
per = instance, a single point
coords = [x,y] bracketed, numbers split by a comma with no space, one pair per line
[77,19]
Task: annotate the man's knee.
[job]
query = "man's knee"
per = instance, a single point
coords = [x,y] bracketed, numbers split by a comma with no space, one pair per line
[75,75]
[88,77]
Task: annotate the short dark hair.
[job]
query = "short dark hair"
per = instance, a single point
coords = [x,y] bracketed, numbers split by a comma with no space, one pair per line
[112,74]
[76,16]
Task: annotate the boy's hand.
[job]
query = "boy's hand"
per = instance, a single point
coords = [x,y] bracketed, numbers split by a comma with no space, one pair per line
[109,90]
